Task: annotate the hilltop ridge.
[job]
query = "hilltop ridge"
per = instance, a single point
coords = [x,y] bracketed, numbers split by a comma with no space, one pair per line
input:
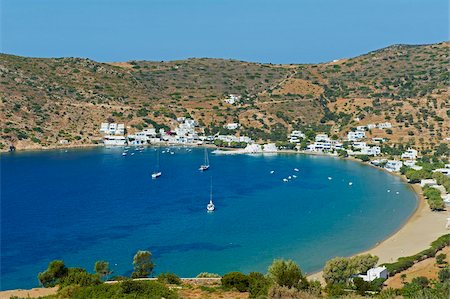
[45,100]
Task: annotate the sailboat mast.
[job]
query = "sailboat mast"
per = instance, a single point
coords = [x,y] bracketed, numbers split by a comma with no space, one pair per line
[210,195]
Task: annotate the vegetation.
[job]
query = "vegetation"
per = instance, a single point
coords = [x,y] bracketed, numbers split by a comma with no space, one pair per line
[143,265]
[404,263]
[339,270]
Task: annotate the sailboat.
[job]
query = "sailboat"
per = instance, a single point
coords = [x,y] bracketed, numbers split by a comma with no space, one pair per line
[210,207]
[157,173]
[205,166]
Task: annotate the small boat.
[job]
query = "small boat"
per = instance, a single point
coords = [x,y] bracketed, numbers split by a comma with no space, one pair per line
[124,154]
[294,176]
[210,207]
[205,166]
[389,190]
[296,169]
[285,180]
[350,183]
[272,171]
[156,174]
[289,177]
[330,178]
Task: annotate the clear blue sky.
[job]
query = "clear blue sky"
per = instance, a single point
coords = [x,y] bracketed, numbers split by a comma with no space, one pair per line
[278,31]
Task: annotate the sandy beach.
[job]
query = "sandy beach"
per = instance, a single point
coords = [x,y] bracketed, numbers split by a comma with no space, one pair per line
[423,227]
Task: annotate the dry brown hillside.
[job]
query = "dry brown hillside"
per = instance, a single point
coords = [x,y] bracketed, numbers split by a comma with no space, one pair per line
[46,100]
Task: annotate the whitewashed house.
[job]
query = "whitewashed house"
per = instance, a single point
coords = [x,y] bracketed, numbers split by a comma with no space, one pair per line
[393,165]
[114,140]
[355,136]
[322,137]
[232,126]
[232,99]
[104,128]
[361,128]
[429,182]
[410,154]
[295,136]
[386,125]
[371,126]
[374,273]
[270,148]
[371,150]
[445,171]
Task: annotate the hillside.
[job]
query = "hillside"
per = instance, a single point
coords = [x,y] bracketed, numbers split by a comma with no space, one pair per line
[46,100]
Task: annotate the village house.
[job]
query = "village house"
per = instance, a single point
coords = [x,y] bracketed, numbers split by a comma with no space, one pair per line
[355,136]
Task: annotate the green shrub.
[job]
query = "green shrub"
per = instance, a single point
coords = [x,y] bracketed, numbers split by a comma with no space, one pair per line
[55,272]
[208,275]
[236,280]
[169,278]
[127,289]
[258,285]
[78,276]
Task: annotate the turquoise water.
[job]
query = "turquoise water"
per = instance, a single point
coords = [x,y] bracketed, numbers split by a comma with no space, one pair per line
[87,205]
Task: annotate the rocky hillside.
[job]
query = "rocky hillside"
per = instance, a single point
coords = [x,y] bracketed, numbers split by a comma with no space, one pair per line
[46,100]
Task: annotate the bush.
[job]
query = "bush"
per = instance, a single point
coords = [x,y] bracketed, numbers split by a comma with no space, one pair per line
[444,275]
[258,285]
[208,275]
[169,278]
[440,259]
[78,276]
[287,273]
[236,280]
[55,272]
[127,289]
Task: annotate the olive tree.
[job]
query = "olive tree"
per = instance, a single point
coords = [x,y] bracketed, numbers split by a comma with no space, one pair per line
[142,264]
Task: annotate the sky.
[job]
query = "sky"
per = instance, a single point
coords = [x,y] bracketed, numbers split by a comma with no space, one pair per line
[276,31]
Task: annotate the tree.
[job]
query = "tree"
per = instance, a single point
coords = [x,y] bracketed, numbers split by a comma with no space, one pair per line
[142,263]
[340,269]
[56,270]
[102,268]
[236,280]
[287,273]
[362,263]
[440,259]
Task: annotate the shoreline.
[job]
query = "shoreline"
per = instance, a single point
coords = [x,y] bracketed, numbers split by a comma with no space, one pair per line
[421,228]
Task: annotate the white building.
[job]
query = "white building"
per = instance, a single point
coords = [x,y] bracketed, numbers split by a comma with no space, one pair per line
[232,99]
[295,136]
[385,125]
[270,148]
[361,128]
[410,154]
[393,165]
[374,273]
[359,144]
[445,171]
[232,126]
[322,137]
[112,129]
[378,139]
[355,136]
[114,140]
[371,150]
[429,182]
[371,126]
[324,146]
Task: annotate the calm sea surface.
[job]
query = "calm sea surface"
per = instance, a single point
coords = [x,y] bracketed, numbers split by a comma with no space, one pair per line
[87,205]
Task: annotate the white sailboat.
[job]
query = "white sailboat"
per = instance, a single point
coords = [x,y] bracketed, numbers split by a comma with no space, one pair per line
[205,166]
[157,173]
[210,207]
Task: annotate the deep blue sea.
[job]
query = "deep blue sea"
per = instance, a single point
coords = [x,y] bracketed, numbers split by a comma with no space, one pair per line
[93,204]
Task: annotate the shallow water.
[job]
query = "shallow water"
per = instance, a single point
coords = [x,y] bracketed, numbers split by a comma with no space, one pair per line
[87,205]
